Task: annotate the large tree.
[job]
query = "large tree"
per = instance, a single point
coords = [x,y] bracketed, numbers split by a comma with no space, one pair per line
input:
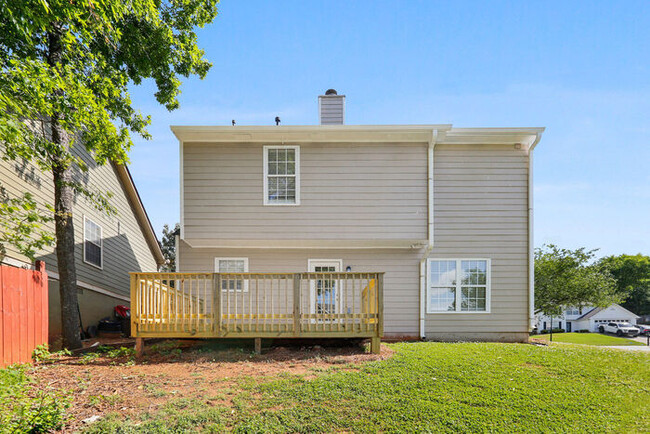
[632,274]
[168,246]
[65,68]
[570,278]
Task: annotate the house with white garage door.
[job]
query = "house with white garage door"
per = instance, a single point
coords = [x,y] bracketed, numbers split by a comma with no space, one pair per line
[587,318]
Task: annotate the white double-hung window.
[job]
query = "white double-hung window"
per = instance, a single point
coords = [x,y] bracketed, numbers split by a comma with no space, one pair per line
[232,282]
[458,285]
[93,244]
[281,175]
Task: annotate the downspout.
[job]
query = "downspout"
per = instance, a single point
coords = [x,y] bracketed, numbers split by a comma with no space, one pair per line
[429,247]
[531,244]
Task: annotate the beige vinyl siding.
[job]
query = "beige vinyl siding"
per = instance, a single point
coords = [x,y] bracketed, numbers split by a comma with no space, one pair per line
[123,252]
[480,211]
[348,191]
[332,110]
[400,281]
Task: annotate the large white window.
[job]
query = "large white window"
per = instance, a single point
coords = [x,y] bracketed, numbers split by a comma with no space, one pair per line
[93,251]
[282,175]
[232,265]
[458,285]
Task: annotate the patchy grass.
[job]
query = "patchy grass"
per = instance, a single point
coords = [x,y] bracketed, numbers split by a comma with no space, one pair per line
[588,339]
[433,387]
[25,408]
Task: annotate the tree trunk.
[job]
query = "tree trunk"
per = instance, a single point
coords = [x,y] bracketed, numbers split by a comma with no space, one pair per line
[63,202]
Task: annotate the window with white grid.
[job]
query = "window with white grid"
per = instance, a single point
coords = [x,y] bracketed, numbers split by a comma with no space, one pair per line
[232,282]
[281,175]
[458,285]
[93,247]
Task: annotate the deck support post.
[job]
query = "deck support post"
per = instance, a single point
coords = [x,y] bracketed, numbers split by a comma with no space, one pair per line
[139,347]
[296,304]
[375,345]
[258,345]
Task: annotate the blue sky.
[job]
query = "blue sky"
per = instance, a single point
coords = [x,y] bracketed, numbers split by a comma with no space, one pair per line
[581,69]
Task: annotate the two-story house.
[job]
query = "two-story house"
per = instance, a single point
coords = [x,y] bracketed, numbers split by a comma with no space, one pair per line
[445,212]
[106,247]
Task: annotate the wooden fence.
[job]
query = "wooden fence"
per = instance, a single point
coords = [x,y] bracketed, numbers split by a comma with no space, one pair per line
[23,313]
[257,305]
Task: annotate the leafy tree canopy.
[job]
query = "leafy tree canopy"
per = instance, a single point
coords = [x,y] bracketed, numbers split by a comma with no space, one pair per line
[72,61]
[168,246]
[569,278]
[632,274]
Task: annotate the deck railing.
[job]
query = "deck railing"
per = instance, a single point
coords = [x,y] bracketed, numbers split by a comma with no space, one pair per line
[257,305]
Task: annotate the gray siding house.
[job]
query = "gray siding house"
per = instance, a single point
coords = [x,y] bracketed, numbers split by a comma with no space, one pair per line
[445,212]
[106,248]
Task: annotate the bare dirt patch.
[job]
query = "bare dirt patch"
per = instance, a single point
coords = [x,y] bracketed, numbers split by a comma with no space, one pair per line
[101,383]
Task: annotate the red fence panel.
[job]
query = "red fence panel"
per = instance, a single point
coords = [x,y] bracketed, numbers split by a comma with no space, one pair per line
[23,312]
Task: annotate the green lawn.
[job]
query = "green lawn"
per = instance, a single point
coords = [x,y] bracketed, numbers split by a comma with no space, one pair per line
[589,339]
[433,387]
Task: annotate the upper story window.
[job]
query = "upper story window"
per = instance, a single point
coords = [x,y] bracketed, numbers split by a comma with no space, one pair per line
[458,285]
[282,175]
[93,244]
[232,265]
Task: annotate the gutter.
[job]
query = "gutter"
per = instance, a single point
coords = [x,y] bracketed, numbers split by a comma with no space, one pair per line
[531,241]
[429,247]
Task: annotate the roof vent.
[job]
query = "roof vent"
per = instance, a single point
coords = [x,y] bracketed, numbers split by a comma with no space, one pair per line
[331,108]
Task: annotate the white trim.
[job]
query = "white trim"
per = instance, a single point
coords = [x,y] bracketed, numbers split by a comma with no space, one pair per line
[101,247]
[216,270]
[338,263]
[488,286]
[531,240]
[296,175]
[370,134]
[182,192]
[430,231]
[199,243]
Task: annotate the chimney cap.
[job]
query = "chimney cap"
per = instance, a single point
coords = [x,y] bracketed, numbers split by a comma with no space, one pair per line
[331,92]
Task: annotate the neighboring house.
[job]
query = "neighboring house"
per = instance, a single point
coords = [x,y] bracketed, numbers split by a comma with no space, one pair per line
[587,318]
[106,248]
[445,212]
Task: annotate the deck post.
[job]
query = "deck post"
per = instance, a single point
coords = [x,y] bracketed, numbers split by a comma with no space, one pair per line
[375,345]
[296,304]
[216,303]
[258,346]
[139,347]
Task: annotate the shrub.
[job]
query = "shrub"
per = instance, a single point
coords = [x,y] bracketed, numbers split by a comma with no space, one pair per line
[23,408]
[582,331]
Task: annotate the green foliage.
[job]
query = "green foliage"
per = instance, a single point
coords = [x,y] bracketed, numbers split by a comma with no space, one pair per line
[65,68]
[568,278]
[23,408]
[431,387]
[168,246]
[632,274]
[23,223]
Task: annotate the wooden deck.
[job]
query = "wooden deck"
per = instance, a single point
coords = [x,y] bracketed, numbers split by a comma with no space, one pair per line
[258,305]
